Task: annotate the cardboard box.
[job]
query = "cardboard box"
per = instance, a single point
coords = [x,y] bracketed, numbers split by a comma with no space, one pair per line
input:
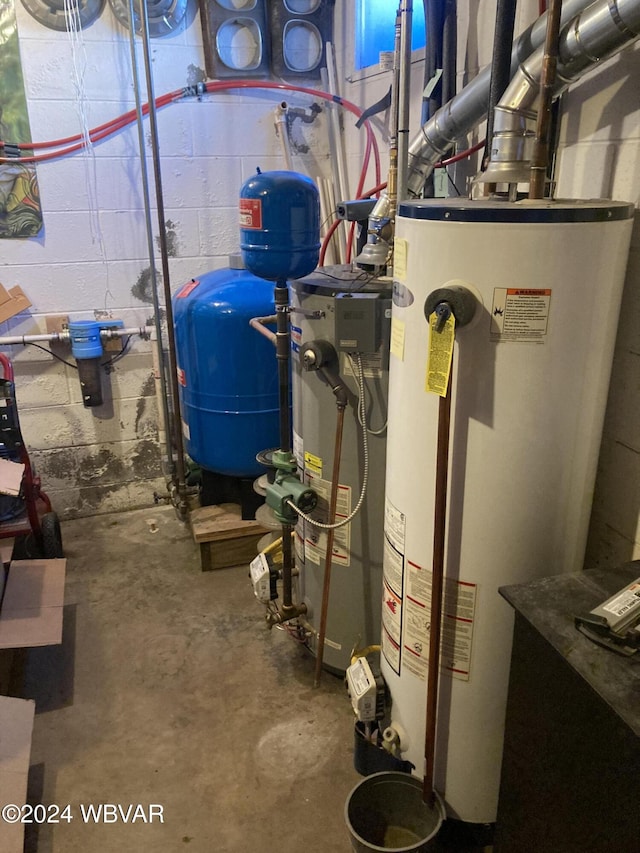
[12,302]
[33,604]
[16,727]
[31,615]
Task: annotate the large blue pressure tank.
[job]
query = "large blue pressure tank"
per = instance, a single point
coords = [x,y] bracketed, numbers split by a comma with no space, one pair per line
[280,225]
[227,371]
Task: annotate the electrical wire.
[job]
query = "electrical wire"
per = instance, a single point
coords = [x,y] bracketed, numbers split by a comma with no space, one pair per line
[107,363]
[118,355]
[71,144]
[51,353]
[362,413]
[360,421]
[452,182]
[461,156]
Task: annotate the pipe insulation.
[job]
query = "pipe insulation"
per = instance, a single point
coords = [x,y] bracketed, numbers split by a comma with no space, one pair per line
[500,63]
[596,34]
[462,113]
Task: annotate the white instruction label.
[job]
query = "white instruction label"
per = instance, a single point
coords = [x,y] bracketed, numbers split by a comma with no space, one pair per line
[458,612]
[371,365]
[315,544]
[627,600]
[520,314]
[394,524]
[392,566]
[392,572]
[298,449]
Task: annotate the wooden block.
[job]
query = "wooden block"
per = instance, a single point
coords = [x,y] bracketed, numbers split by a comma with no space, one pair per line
[229,552]
[222,522]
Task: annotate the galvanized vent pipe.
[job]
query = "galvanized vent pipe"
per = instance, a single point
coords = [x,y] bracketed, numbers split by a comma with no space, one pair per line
[598,33]
[458,117]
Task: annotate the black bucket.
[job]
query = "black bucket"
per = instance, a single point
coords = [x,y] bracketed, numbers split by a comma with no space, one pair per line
[385,812]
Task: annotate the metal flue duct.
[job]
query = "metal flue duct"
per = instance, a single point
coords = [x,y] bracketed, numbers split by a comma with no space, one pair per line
[599,32]
[460,115]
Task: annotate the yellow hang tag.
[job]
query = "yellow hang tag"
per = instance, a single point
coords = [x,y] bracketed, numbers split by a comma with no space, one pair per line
[400,253]
[440,355]
[397,338]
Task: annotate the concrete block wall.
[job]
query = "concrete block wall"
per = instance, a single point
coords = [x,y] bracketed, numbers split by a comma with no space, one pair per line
[92,256]
[599,155]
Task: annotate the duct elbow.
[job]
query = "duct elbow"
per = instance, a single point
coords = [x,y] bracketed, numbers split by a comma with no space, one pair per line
[436,137]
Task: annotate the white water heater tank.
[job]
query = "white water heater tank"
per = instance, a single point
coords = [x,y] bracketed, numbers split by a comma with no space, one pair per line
[529,387]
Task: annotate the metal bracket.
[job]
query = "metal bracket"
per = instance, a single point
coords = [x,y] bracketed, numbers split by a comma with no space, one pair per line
[306,312]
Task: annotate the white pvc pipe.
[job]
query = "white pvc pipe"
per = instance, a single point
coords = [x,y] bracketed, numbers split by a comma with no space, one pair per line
[283,133]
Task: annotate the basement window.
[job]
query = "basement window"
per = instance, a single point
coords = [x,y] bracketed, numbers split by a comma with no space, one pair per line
[375,30]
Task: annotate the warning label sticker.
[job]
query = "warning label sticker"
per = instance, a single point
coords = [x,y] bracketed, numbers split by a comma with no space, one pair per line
[391,626]
[520,314]
[372,365]
[298,449]
[313,463]
[186,289]
[393,580]
[457,624]
[315,540]
[251,213]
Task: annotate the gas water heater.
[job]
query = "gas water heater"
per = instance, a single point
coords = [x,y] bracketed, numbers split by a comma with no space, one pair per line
[529,385]
[348,314]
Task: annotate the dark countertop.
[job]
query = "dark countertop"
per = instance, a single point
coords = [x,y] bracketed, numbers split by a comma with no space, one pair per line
[550,605]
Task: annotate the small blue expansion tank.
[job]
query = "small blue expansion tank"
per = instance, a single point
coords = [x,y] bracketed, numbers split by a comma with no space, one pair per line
[280,225]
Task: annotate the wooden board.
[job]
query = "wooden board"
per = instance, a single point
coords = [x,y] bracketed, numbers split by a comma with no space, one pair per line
[228,552]
[222,522]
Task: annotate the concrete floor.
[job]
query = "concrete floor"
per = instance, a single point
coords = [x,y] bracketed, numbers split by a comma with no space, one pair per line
[169,690]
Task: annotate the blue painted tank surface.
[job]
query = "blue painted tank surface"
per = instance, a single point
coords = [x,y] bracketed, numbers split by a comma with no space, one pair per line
[280,225]
[227,371]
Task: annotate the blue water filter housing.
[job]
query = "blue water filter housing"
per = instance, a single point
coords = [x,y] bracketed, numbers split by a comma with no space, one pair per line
[227,371]
[280,225]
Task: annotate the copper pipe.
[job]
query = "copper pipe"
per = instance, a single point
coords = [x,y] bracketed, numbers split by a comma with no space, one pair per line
[540,157]
[260,325]
[437,585]
[326,584]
